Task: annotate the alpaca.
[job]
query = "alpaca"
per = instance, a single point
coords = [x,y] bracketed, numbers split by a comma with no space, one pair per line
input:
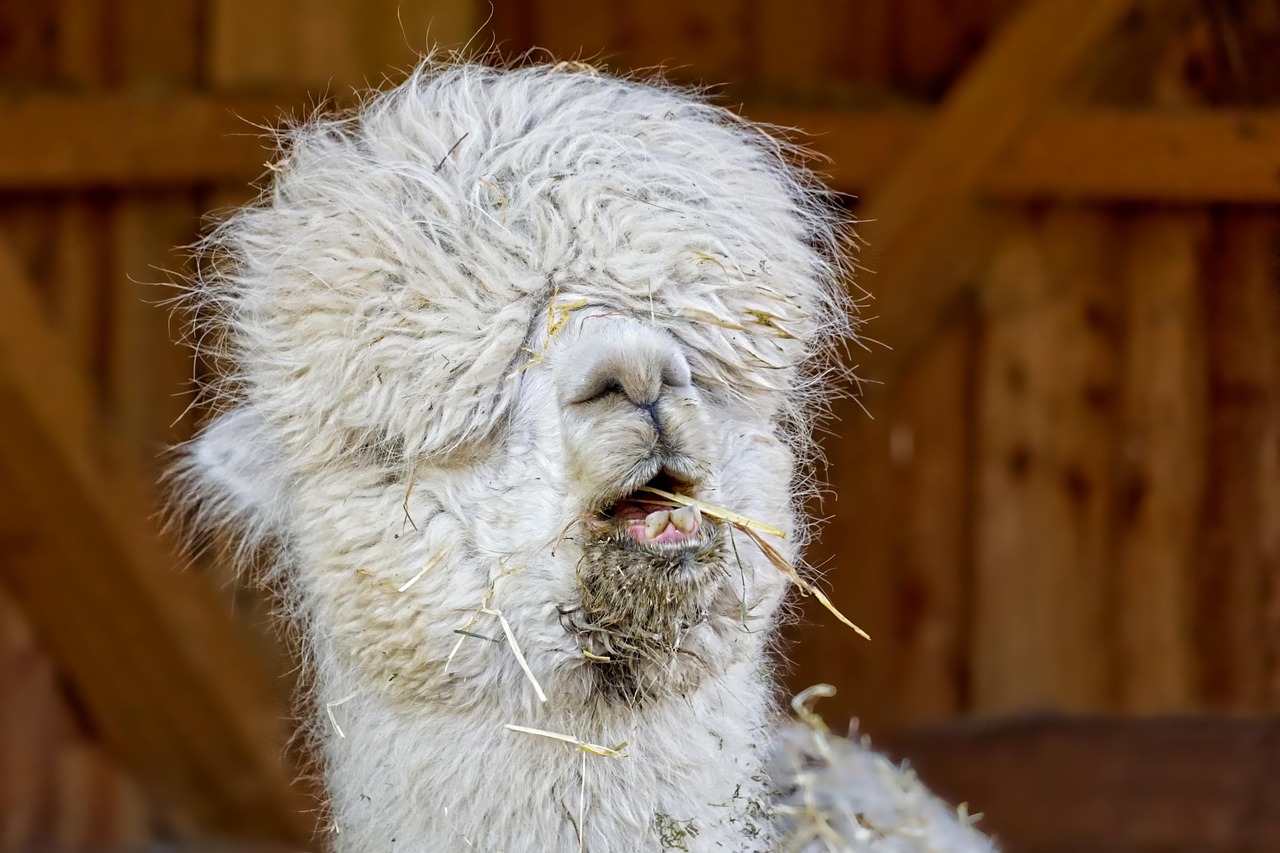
[463,333]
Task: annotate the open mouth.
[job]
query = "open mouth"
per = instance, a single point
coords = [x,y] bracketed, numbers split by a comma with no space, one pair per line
[647,518]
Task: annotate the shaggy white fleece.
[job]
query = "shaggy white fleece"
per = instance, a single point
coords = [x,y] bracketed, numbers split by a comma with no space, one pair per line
[462,330]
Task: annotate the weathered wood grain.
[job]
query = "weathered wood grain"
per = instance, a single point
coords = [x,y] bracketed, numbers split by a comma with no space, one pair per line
[1045,450]
[1163,439]
[1237,586]
[1053,785]
[925,228]
[150,651]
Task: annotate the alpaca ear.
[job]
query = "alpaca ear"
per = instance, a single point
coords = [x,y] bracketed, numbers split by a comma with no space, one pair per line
[237,472]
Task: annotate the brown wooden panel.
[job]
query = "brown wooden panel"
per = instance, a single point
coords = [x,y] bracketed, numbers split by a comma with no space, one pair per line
[926,232]
[695,41]
[931,435]
[57,790]
[896,549]
[150,651]
[333,46]
[1164,411]
[569,29]
[855,551]
[1109,786]
[1155,155]
[1068,152]
[1237,590]
[148,373]
[1045,453]
[153,140]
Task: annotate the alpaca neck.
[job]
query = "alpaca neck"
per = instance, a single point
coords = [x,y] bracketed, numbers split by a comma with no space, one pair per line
[424,777]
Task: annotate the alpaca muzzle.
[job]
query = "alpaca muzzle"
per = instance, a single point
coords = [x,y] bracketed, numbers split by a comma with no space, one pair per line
[631,417]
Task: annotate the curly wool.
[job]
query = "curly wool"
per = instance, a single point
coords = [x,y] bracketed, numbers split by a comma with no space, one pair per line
[405,321]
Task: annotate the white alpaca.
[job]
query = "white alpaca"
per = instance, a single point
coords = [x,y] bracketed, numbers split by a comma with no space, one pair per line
[464,328]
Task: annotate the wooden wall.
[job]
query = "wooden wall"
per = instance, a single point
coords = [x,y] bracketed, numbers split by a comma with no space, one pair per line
[1067,498]
[1068,495]
[117,676]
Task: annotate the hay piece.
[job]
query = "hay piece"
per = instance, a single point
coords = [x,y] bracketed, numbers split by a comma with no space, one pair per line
[557,316]
[329,706]
[800,705]
[515,647]
[430,565]
[593,748]
[780,563]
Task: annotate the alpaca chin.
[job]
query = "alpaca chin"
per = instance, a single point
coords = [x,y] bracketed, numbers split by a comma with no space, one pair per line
[491,345]
[641,612]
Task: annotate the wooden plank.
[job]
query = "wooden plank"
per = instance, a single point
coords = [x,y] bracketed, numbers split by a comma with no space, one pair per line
[81,260]
[155,48]
[149,380]
[569,29]
[895,548]
[924,228]
[156,140]
[333,45]
[933,41]
[923,663]
[799,48]
[1107,785]
[1164,409]
[856,549]
[1237,592]
[255,44]
[148,376]
[151,652]
[694,41]
[1192,155]
[1045,449]
[78,277]
[1228,155]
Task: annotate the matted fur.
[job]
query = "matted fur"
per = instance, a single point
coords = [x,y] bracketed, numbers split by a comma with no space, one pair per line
[438,325]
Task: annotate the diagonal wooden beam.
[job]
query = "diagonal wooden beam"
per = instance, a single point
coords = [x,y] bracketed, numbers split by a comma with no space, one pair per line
[161,671]
[926,229]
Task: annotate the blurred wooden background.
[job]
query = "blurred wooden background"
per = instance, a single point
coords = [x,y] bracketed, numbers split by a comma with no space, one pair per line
[1068,496]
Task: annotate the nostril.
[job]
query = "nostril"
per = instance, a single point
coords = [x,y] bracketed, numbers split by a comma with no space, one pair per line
[602,388]
[620,360]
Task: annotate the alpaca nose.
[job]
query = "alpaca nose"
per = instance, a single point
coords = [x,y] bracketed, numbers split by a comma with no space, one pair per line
[613,357]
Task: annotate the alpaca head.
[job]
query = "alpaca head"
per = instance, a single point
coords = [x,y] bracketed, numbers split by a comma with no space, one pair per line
[467,328]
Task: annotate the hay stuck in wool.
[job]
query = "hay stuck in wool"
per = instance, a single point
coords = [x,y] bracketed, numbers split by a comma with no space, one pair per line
[483,322]
[753,529]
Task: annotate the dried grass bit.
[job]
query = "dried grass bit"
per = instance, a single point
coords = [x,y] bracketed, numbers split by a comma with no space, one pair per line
[329,706]
[800,705]
[593,748]
[431,564]
[780,563]
[515,647]
[753,529]
[557,316]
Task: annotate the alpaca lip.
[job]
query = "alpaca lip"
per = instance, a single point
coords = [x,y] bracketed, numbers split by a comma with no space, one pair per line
[651,520]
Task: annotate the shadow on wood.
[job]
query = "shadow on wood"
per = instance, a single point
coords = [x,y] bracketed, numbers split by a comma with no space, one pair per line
[1057,784]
